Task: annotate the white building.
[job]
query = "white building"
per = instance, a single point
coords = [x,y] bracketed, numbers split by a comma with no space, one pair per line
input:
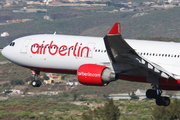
[139,93]
[4,34]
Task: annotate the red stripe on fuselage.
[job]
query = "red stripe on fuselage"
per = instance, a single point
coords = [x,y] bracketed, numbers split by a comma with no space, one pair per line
[52,70]
[164,84]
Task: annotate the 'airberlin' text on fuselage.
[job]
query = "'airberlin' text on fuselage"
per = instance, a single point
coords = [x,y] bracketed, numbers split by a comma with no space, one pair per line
[63,50]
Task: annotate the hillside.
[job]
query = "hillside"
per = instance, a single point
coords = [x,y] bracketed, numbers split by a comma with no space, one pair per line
[91,22]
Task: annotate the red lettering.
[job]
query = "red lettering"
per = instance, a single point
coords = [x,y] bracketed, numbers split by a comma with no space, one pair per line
[45,48]
[75,49]
[41,48]
[70,50]
[87,54]
[62,51]
[64,48]
[37,51]
[79,50]
[52,47]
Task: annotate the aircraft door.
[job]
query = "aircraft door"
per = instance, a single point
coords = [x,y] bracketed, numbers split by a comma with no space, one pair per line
[24,46]
[91,49]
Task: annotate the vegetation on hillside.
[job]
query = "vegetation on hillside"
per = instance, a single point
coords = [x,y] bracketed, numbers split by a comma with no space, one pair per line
[172,112]
[107,112]
[91,21]
[2,58]
[63,107]
[168,39]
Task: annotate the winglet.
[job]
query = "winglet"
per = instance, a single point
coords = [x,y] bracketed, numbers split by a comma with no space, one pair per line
[116,29]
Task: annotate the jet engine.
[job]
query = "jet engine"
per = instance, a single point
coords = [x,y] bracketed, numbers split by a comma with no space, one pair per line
[96,75]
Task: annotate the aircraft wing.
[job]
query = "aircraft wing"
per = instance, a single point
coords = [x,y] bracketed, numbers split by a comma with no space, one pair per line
[119,51]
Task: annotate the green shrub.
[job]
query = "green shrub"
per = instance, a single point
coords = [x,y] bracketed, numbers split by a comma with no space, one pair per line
[33,116]
[42,118]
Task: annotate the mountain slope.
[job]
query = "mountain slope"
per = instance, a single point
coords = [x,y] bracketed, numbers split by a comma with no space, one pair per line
[164,23]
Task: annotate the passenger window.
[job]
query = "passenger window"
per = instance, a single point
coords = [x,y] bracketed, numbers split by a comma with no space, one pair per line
[174,55]
[98,50]
[104,50]
[169,55]
[144,53]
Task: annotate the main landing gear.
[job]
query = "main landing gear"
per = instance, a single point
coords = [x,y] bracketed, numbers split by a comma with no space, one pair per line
[155,93]
[35,82]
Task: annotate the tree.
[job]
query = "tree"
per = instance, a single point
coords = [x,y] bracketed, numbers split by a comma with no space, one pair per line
[108,112]
[75,96]
[45,77]
[105,96]
[133,95]
[111,111]
[17,82]
[170,112]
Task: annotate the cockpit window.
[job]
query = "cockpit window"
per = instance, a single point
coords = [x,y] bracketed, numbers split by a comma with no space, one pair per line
[12,44]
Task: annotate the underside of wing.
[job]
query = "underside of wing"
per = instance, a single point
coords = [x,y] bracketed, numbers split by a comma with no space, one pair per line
[121,53]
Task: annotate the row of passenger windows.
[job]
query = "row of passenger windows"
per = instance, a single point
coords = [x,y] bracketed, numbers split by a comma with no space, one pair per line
[158,54]
[100,50]
[53,47]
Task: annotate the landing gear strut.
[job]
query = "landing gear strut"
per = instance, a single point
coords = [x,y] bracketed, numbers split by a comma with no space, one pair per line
[36,82]
[155,93]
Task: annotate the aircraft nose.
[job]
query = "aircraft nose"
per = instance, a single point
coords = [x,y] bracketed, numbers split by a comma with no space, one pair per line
[4,52]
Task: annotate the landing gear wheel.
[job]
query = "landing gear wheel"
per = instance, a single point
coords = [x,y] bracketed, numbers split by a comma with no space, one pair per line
[165,101]
[151,94]
[159,101]
[36,83]
[155,93]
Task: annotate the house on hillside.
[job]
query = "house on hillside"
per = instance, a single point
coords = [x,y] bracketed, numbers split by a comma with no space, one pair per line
[4,34]
[139,93]
[53,79]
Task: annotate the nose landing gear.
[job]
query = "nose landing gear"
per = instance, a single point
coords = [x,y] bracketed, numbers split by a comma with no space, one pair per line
[35,82]
[155,93]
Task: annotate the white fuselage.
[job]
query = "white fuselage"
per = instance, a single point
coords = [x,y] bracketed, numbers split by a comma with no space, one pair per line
[70,52]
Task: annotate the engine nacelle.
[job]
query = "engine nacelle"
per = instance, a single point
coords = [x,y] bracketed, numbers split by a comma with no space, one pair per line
[96,75]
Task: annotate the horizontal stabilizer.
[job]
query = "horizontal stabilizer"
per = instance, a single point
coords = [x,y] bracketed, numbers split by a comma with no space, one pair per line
[116,29]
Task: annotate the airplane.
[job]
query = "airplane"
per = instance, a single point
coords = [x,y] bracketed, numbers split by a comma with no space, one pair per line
[98,61]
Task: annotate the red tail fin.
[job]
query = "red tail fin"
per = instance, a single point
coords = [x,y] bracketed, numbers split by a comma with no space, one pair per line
[116,29]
